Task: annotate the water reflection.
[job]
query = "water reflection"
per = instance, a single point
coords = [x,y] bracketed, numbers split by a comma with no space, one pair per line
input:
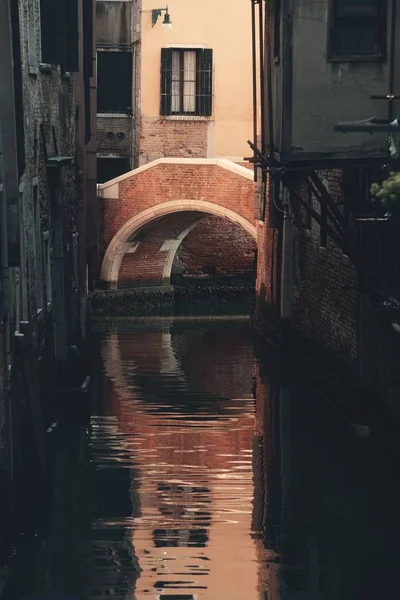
[326,501]
[191,440]
[212,474]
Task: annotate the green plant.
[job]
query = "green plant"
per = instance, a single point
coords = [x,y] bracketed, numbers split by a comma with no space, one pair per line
[388,192]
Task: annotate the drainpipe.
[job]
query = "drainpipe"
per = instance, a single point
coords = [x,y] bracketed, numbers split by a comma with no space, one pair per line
[254,72]
[287,266]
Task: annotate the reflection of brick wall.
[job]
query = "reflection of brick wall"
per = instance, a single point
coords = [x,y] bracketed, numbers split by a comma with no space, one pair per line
[161,137]
[216,247]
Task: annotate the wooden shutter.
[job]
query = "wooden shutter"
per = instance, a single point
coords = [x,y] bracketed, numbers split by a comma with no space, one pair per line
[53,19]
[72,54]
[206,82]
[166,81]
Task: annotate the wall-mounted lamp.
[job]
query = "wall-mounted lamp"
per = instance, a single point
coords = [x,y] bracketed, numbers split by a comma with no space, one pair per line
[156,12]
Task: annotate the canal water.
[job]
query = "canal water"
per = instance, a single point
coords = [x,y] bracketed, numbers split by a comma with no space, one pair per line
[207,471]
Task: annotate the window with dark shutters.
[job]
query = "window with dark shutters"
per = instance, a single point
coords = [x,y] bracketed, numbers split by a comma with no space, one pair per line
[186,85]
[357,29]
[166,81]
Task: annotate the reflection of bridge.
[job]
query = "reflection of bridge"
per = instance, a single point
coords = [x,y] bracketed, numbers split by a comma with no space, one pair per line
[195,482]
[149,212]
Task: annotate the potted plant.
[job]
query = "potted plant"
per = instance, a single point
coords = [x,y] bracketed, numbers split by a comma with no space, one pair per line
[388,193]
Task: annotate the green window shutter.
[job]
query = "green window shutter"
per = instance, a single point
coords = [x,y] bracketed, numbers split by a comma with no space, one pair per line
[206,82]
[166,81]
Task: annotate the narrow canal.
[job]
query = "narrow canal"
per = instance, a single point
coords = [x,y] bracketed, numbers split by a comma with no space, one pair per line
[207,472]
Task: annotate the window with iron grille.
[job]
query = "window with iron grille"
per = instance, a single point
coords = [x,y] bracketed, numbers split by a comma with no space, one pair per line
[186,82]
[357,29]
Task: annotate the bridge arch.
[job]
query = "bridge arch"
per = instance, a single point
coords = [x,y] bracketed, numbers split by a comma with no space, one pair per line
[195,210]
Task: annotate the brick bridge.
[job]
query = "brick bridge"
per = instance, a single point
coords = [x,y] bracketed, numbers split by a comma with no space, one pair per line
[148,213]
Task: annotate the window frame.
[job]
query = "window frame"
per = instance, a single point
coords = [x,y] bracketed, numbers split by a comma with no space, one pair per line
[181,112]
[100,110]
[380,56]
[204,85]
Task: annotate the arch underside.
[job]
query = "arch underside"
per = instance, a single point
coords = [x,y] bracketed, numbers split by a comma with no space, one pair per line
[143,250]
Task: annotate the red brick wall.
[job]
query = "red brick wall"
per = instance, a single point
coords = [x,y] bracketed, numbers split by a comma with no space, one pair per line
[161,137]
[144,267]
[167,182]
[172,182]
[216,243]
[267,267]
[324,286]
[324,292]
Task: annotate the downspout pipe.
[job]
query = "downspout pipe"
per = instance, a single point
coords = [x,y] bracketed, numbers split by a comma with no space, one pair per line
[254,70]
[268,54]
[262,84]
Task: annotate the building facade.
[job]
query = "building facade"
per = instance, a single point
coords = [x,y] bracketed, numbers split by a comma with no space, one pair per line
[328,268]
[47,199]
[184,91]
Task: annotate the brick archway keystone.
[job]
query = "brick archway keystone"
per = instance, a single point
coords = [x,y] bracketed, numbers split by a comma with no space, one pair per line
[115,252]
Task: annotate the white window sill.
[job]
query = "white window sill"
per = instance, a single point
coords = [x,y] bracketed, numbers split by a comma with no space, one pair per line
[111,115]
[186,118]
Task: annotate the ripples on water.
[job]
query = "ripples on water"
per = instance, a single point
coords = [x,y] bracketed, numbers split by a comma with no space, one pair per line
[184,437]
[205,474]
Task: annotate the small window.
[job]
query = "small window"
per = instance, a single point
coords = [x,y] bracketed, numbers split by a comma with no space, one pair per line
[186,82]
[358,29]
[114,82]
[59,32]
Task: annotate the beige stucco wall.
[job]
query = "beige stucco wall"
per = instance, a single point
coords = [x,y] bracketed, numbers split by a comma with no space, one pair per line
[225,27]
